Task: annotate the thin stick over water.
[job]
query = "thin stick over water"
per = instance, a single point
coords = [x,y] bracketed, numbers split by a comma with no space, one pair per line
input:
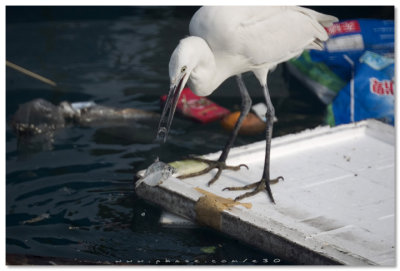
[31,74]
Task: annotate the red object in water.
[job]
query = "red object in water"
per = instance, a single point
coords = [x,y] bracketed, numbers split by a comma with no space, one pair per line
[198,108]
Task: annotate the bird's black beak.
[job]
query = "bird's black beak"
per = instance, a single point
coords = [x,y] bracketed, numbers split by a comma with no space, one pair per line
[169,107]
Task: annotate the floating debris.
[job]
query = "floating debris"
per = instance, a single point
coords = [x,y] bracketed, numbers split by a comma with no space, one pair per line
[208,250]
[156,173]
[37,122]
[37,117]
[40,116]
[36,219]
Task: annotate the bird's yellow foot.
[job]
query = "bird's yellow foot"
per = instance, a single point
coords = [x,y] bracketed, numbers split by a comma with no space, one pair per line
[258,187]
[211,165]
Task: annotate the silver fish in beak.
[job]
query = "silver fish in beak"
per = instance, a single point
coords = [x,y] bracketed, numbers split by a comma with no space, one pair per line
[169,108]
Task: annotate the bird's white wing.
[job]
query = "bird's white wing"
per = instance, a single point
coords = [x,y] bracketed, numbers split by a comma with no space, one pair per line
[264,35]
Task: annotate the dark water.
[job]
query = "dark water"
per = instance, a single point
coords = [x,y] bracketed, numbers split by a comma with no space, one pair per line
[81,181]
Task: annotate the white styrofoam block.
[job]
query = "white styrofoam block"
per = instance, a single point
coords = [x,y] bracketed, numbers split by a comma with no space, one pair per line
[337,199]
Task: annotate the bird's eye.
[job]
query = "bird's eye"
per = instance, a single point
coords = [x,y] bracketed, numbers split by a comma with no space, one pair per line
[183,69]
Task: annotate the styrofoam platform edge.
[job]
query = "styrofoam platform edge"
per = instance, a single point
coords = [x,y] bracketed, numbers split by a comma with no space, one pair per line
[239,225]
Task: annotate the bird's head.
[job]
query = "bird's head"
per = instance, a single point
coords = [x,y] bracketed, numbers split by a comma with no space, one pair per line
[183,61]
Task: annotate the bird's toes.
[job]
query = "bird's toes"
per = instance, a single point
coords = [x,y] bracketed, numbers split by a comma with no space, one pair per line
[236,168]
[276,180]
[217,175]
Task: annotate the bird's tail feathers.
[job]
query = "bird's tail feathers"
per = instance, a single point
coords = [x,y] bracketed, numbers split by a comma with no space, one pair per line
[319,21]
[324,19]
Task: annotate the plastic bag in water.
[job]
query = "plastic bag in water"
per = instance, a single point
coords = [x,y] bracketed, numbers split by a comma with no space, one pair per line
[36,117]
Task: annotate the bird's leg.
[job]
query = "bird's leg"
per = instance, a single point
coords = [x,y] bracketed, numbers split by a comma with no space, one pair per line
[220,163]
[244,110]
[265,181]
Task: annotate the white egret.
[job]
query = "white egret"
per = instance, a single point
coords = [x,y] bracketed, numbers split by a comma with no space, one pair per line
[228,41]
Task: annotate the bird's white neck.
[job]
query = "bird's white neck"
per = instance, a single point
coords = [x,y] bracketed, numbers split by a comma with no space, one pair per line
[209,71]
